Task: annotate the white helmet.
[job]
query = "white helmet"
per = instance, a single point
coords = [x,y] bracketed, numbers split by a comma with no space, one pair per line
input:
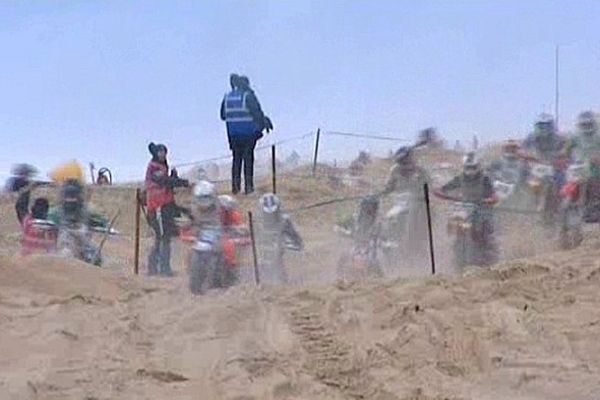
[471,165]
[205,193]
[200,174]
[270,203]
[227,202]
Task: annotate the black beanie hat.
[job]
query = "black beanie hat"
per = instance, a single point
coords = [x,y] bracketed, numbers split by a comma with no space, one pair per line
[155,148]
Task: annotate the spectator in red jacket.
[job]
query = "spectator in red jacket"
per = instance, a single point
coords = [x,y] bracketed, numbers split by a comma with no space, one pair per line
[162,209]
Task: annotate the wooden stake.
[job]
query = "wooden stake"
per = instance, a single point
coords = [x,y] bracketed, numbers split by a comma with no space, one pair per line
[431,249]
[274,169]
[316,156]
[252,237]
[138,207]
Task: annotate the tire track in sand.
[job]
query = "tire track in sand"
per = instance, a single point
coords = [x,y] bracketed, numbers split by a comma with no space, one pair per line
[328,359]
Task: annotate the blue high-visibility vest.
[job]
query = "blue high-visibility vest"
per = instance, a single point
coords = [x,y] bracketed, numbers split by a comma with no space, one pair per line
[237,116]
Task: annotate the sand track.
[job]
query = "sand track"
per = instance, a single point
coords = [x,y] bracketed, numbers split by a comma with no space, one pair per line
[526,329]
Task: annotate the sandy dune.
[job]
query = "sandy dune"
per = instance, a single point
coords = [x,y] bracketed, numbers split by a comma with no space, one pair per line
[527,329]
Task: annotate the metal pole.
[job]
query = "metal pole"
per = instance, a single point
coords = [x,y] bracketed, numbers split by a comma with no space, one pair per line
[317,140]
[274,169]
[556,89]
[93,173]
[431,250]
[252,237]
[136,257]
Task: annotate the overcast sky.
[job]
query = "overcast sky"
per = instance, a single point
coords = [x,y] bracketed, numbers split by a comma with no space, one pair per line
[96,81]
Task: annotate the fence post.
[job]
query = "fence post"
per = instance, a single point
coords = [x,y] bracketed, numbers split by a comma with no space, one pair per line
[93,173]
[317,140]
[136,261]
[274,169]
[254,255]
[431,249]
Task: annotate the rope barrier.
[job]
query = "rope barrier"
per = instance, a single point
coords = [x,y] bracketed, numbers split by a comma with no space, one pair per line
[292,139]
[258,148]
[325,203]
[366,136]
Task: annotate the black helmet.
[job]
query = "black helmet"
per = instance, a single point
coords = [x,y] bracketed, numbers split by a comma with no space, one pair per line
[586,123]
[72,190]
[370,204]
[71,199]
[545,124]
[24,170]
[403,155]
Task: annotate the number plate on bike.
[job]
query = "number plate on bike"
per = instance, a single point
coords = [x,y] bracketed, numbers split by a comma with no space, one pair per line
[503,190]
[461,210]
[210,237]
[541,171]
[576,172]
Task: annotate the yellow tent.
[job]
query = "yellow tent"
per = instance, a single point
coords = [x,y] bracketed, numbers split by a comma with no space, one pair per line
[67,171]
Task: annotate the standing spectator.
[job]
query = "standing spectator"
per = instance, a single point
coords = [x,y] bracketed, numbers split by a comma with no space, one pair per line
[22,175]
[162,210]
[245,122]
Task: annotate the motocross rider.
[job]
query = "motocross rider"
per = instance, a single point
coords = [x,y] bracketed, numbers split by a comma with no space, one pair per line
[73,220]
[406,176]
[546,146]
[277,234]
[509,169]
[229,213]
[218,213]
[585,147]
[21,177]
[474,186]
[34,240]
[366,231]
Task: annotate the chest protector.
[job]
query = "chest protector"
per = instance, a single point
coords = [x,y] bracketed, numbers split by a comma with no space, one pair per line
[473,189]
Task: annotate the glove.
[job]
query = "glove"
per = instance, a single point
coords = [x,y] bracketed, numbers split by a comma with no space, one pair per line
[490,201]
[174,182]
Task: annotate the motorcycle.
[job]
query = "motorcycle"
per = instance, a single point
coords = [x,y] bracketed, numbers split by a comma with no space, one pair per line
[214,258]
[361,262]
[504,190]
[507,181]
[591,191]
[471,245]
[544,186]
[395,223]
[74,241]
[571,213]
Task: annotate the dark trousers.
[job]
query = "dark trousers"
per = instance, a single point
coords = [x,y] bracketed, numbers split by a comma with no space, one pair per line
[162,222]
[243,154]
[160,257]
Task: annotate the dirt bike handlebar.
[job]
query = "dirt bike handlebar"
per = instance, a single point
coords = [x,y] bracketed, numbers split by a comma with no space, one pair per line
[561,162]
[444,196]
